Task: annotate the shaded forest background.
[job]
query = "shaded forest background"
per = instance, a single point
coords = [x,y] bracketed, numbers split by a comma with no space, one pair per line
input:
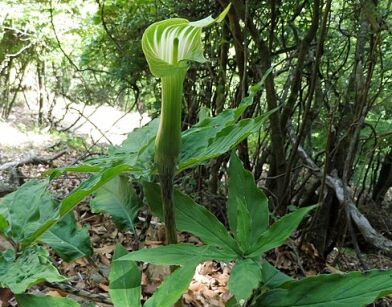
[324,67]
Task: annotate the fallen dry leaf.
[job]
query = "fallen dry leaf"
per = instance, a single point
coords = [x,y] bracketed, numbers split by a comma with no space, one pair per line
[103,287]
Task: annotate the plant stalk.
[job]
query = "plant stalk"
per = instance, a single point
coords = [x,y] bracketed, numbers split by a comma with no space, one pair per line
[167,146]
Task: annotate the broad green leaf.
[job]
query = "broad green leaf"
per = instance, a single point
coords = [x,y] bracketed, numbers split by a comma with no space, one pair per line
[91,185]
[271,276]
[119,199]
[137,151]
[200,136]
[31,267]
[343,290]
[222,120]
[28,300]
[232,302]
[172,288]
[244,192]
[243,231]
[83,168]
[193,218]
[178,254]
[144,157]
[124,280]
[223,141]
[27,210]
[278,233]
[137,139]
[68,240]
[128,152]
[245,276]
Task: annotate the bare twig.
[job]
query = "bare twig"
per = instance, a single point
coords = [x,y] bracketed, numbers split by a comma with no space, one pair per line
[81,293]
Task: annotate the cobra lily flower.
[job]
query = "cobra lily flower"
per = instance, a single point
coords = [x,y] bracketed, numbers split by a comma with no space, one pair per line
[168,46]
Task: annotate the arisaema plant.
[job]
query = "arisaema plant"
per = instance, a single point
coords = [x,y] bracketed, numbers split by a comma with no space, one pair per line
[168,46]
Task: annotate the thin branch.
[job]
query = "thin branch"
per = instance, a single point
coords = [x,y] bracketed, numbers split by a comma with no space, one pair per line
[81,293]
[66,54]
[105,27]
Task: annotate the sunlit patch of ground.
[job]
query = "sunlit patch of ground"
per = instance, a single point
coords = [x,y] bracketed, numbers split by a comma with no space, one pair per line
[101,125]
[15,138]
[98,124]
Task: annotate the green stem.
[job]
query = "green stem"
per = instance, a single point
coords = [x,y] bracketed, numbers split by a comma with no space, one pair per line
[168,140]
[167,146]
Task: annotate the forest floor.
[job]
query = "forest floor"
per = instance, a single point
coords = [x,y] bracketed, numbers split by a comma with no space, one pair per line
[209,286]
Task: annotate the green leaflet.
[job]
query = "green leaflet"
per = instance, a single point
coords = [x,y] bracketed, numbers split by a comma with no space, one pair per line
[124,280]
[27,210]
[28,300]
[243,230]
[197,139]
[68,241]
[193,218]
[20,272]
[218,144]
[119,199]
[128,152]
[90,185]
[243,192]
[178,254]
[232,302]
[84,168]
[137,139]
[136,151]
[343,290]
[173,287]
[223,119]
[271,276]
[244,277]
[278,233]
[202,143]
[76,196]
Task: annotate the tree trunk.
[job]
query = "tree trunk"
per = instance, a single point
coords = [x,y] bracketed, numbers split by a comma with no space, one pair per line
[384,181]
